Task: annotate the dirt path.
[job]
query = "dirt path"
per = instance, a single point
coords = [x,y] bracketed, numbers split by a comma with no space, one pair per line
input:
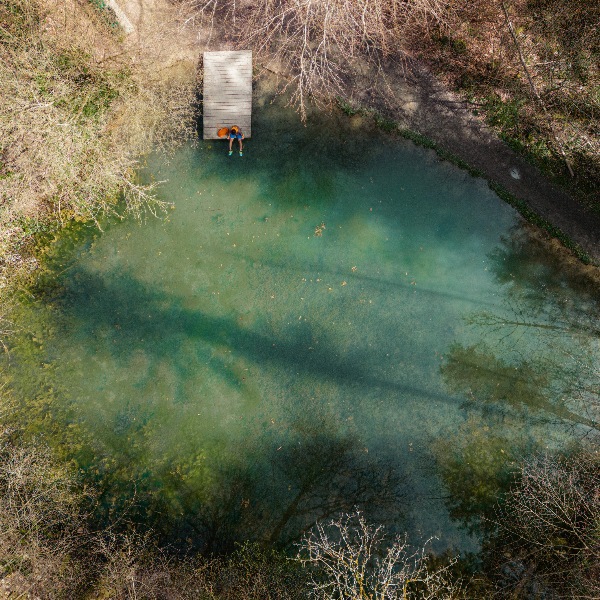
[159,30]
[423,105]
[418,103]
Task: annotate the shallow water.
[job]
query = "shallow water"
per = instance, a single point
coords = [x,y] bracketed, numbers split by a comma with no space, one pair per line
[335,320]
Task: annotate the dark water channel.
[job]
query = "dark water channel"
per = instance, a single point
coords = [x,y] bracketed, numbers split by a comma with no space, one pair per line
[335,320]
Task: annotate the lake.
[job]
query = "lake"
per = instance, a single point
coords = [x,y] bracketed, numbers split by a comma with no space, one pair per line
[335,320]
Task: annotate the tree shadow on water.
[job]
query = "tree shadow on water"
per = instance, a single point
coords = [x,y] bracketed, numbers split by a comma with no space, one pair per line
[547,284]
[139,318]
[530,381]
[488,380]
[268,487]
[292,483]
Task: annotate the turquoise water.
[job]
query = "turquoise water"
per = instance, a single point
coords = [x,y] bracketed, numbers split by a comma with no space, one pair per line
[335,320]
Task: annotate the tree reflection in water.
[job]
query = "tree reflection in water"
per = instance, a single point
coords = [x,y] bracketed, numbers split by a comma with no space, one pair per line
[311,477]
[276,495]
[516,382]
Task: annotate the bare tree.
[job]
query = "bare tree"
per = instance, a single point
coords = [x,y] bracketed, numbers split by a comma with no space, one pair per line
[79,105]
[549,531]
[319,43]
[41,522]
[351,560]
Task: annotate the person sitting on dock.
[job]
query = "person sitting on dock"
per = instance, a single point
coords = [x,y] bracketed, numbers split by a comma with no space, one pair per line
[235,133]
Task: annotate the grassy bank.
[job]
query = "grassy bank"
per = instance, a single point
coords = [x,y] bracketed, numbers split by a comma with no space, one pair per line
[78,106]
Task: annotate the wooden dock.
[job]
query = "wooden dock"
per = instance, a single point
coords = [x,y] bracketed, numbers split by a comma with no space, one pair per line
[227,94]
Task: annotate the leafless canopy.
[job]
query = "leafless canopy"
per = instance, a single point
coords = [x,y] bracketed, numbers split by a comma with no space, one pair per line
[549,527]
[352,561]
[318,43]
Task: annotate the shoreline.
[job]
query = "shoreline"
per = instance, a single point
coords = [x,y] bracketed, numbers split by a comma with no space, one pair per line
[532,218]
[422,110]
[417,106]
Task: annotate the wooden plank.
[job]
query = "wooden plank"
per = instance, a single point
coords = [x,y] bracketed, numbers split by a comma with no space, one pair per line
[217,79]
[231,113]
[223,82]
[228,113]
[234,100]
[211,93]
[216,125]
[215,95]
[224,121]
[230,70]
[234,108]
[210,76]
[215,66]
[227,91]
[229,110]
[227,120]
[227,104]
[241,108]
[228,99]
